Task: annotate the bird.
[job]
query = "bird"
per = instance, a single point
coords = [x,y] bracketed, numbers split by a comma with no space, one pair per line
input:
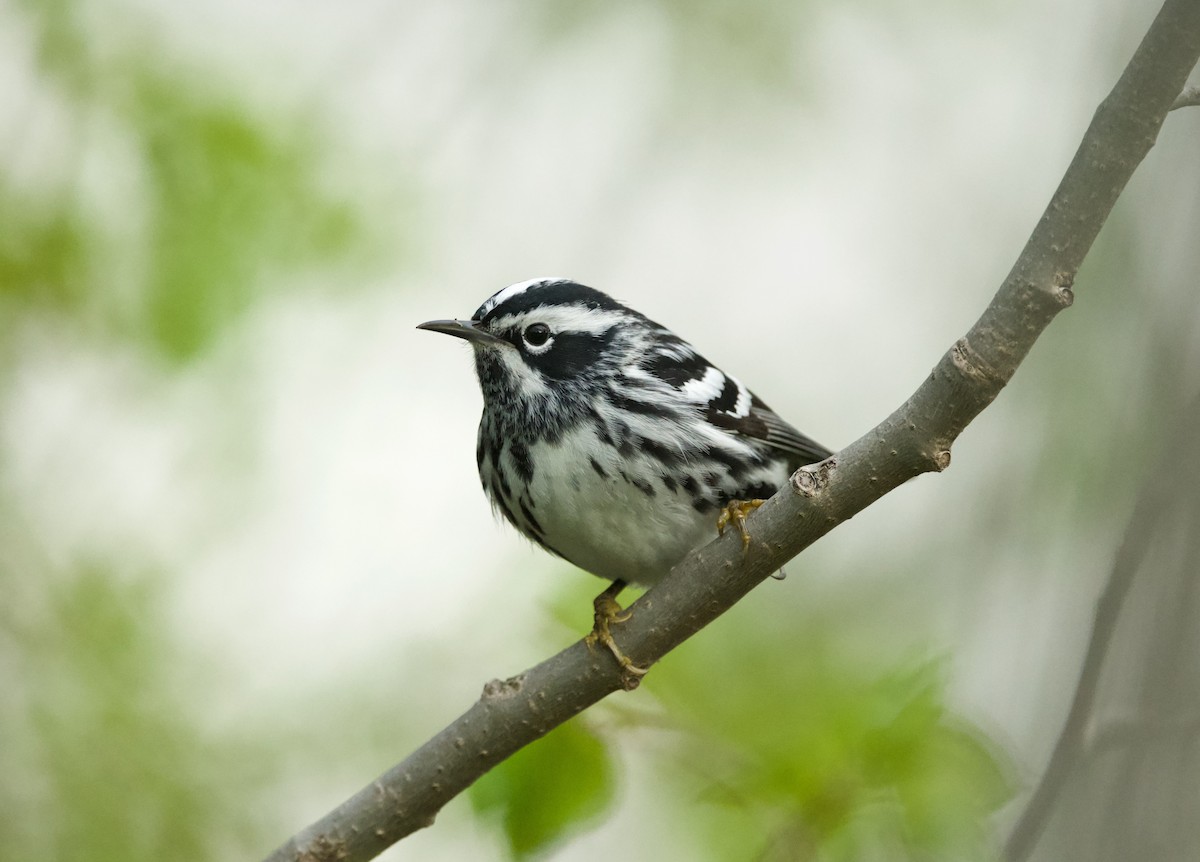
[611,442]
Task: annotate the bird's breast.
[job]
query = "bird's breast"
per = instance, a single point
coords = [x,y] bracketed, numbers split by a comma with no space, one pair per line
[615,515]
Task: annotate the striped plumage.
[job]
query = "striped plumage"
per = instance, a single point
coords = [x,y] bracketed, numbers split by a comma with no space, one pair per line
[606,438]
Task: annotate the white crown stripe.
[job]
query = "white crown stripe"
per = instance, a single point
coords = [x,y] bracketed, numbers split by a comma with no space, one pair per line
[512,290]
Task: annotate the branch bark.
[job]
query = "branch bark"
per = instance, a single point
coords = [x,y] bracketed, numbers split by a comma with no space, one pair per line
[914,439]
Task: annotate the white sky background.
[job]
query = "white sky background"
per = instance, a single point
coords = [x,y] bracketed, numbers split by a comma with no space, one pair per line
[826,250]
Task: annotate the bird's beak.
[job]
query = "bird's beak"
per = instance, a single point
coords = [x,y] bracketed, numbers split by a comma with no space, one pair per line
[467,329]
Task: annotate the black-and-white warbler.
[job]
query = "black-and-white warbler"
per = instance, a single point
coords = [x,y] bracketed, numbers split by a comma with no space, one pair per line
[609,441]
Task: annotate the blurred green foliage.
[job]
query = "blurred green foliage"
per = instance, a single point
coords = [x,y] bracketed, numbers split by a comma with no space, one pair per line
[43,252]
[755,47]
[545,791]
[161,205]
[796,747]
[234,199]
[103,758]
[224,201]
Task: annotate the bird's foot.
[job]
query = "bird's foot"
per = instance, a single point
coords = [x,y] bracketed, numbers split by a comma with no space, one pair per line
[735,513]
[609,611]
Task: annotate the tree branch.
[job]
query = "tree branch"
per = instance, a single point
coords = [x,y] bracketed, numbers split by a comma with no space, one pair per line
[1072,745]
[915,439]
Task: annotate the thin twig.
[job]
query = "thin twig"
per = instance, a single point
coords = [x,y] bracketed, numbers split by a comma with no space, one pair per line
[915,439]
[1189,98]
[1072,743]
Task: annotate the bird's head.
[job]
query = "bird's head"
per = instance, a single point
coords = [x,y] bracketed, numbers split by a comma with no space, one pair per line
[545,335]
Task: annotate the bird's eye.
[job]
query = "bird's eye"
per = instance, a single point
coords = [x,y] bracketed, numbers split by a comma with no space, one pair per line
[537,334]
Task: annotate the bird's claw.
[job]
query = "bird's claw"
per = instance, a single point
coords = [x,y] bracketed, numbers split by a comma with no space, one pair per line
[608,611]
[735,513]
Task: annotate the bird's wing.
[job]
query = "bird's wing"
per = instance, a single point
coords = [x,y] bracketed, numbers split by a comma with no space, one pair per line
[726,402]
[765,424]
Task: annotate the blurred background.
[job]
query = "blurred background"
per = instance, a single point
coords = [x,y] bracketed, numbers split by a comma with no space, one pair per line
[245,563]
